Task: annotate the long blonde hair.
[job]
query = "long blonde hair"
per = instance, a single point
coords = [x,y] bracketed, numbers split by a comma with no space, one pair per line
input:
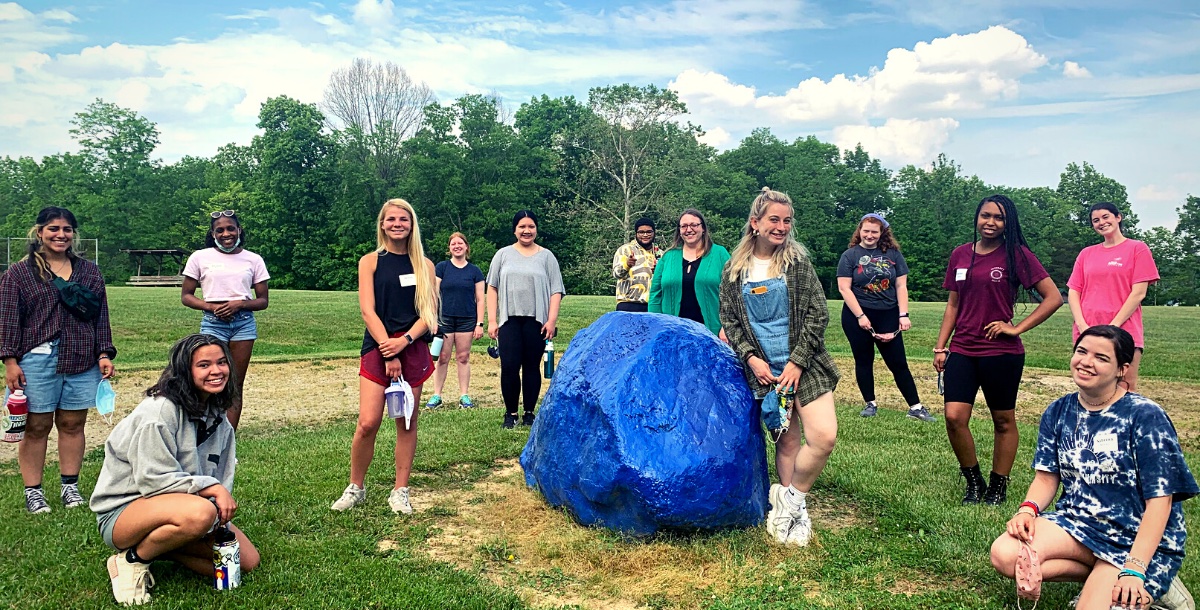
[426,303]
[742,257]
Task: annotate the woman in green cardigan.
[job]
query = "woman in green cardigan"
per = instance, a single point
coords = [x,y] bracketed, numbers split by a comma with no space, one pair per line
[688,276]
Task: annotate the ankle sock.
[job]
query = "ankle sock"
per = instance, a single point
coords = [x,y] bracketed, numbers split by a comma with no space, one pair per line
[132,557]
[69,479]
[794,497]
[37,487]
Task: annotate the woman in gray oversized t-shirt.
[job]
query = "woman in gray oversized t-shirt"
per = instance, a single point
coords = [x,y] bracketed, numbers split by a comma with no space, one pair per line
[525,288]
[872,278]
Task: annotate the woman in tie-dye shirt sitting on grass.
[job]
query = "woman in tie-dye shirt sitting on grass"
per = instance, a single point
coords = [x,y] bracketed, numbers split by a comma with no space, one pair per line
[1118,526]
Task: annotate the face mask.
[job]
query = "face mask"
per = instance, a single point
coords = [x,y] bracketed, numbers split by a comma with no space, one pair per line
[106,401]
[235,246]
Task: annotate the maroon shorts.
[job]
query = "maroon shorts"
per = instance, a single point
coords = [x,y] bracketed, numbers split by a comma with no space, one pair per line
[416,365]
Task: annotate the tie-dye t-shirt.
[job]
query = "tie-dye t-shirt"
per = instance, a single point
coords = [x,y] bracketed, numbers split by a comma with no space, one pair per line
[1110,462]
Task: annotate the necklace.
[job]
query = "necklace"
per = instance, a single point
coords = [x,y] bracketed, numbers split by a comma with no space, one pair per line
[1101,403]
[61,266]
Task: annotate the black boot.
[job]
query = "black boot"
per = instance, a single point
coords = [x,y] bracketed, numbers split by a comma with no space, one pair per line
[997,490]
[976,486]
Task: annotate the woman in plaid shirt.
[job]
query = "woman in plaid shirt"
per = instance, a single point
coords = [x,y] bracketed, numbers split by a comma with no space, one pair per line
[773,311]
[57,358]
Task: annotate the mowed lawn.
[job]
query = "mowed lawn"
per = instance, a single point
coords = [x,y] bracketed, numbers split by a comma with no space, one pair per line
[893,536]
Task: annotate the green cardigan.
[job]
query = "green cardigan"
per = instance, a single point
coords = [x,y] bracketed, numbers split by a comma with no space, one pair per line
[666,289]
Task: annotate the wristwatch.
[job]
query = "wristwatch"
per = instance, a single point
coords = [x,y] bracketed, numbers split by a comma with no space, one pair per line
[480,325]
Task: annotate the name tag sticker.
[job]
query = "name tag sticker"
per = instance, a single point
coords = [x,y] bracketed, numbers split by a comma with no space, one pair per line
[41,349]
[758,290]
[408,279]
[1105,443]
[960,275]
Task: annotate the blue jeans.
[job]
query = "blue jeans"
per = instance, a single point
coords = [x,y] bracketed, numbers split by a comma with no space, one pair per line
[241,327]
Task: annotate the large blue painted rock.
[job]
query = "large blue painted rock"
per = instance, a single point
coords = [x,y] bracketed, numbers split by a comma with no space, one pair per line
[648,424]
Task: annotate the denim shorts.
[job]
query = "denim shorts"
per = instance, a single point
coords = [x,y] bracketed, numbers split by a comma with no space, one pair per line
[105,522]
[48,390]
[241,327]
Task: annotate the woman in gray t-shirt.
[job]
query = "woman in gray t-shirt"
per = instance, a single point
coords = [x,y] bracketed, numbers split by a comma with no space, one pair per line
[525,288]
[873,281]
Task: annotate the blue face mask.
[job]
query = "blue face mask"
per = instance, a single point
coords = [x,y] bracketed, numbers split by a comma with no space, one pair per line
[106,401]
[237,244]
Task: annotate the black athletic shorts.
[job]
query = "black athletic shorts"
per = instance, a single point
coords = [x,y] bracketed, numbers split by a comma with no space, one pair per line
[998,376]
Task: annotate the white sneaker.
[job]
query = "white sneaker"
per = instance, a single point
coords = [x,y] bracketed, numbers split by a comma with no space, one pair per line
[779,519]
[1177,597]
[801,531]
[131,582]
[398,500]
[353,496]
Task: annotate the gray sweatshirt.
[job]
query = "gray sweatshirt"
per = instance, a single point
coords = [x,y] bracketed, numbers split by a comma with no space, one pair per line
[154,451]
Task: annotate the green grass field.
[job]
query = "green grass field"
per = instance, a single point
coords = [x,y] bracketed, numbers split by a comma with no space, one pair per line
[905,543]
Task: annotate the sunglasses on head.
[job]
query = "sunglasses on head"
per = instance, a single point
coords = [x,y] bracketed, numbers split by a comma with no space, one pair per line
[226,213]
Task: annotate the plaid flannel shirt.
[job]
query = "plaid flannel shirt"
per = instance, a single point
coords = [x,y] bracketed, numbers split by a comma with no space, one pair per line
[808,315]
[31,314]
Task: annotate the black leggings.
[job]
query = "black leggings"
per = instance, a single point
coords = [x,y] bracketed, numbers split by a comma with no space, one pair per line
[863,345]
[521,349]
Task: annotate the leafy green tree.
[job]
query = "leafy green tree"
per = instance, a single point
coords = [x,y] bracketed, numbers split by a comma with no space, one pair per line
[294,156]
[933,212]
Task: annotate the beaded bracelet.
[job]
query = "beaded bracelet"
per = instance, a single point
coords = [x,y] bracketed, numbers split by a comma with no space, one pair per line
[1128,572]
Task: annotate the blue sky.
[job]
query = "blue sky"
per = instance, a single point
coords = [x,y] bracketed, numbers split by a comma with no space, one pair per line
[1012,90]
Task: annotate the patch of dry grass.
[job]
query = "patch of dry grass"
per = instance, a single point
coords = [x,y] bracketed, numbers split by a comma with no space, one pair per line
[505,532]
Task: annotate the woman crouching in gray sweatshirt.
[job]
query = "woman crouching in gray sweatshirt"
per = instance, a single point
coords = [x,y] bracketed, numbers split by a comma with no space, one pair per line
[168,472]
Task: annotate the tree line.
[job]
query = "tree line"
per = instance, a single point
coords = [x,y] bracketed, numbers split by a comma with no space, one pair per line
[311,181]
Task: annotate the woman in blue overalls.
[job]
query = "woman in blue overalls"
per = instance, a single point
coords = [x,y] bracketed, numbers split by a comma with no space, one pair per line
[774,314]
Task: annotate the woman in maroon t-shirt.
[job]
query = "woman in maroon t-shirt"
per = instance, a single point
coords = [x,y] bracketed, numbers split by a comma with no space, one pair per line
[984,278]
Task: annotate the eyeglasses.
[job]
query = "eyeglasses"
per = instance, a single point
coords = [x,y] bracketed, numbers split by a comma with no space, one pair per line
[645,232]
[226,213]
[692,225]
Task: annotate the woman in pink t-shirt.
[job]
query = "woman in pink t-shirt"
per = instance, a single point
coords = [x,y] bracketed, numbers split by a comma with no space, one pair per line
[1110,280]
[983,280]
[233,281]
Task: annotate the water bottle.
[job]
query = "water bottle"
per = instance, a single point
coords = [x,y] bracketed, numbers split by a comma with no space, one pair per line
[435,346]
[548,359]
[393,398]
[227,559]
[16,411]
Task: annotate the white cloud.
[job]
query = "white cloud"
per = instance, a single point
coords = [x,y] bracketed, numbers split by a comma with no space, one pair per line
[59,15]
[898,141]
[1152,193]
[11,11]
[710,87]
[715,137]
[951,74]
[1074,70]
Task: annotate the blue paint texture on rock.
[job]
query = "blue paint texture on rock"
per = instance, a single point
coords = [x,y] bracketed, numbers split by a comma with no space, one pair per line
[649,425]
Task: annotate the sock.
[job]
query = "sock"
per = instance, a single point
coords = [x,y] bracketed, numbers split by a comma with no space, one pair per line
[37,487]
[794,498]
[69,479]
[916,407]
[132,557]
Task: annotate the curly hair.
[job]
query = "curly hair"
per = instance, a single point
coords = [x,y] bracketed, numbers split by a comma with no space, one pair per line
[887,241]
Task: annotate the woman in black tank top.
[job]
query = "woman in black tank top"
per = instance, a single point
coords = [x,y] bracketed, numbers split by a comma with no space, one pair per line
[395,295]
